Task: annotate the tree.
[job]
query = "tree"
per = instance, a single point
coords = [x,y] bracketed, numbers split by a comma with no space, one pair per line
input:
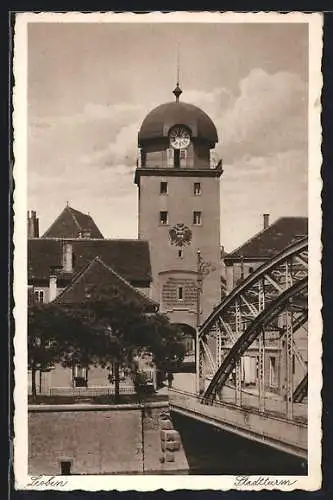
[54,336]
[123,328]
[106,328]
[165,342]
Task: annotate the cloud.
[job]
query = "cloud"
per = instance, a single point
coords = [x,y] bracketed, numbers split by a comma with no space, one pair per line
[89,157]
[100,136]
[211,102]
[123,149]
[269,115]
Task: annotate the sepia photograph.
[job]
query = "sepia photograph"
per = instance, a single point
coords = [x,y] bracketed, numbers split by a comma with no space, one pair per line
[167,251]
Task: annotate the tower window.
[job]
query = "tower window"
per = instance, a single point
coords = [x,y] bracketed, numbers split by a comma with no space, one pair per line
[180,293]
[163,188]
[176,158]
[180,252]
[182,154]
[163,218]
[39,296]
[170,157]
[197,188]
[196,218]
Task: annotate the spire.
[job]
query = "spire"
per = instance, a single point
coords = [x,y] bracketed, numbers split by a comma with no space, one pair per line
[177,91]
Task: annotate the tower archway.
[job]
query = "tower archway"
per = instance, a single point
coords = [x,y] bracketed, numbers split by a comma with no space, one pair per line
[188,335]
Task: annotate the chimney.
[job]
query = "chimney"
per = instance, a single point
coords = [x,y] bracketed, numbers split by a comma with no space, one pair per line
[67,258]
[33,224]
[52,286]
[266,221]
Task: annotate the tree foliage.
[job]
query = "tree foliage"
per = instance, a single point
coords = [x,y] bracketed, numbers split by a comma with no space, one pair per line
[103,330]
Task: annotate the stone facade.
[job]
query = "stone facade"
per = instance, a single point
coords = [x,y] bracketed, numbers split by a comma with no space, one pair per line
[179,211]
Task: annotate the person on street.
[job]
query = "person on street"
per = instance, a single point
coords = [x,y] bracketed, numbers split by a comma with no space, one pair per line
[170,379]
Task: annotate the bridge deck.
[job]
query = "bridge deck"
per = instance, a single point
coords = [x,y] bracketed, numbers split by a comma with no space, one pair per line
[271,429]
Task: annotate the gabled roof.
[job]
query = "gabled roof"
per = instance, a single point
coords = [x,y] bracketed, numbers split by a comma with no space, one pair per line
[129,258]
[97,276]
[270,241]
[72,224]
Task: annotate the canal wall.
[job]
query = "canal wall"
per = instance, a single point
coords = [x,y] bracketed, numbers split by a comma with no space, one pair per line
[103,439]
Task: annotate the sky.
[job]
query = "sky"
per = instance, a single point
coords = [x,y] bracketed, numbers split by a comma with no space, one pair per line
[90,86]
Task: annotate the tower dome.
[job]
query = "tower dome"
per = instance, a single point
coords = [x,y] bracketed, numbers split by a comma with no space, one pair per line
[160,120]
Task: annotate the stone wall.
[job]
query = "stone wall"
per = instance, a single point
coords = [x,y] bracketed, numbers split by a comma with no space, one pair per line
[123,439]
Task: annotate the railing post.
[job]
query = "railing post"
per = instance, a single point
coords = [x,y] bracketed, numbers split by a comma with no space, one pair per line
[289,345]
[198,351]
[238,382]
[289,364]
[261,372]
[261,350]
[238,368]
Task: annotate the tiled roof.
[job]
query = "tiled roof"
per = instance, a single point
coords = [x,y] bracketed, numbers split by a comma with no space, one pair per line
[129,258]
[97,276]
[271,240]
[72,224]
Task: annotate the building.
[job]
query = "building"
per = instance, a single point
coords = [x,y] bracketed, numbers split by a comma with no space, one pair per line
[70,245]
[262,246]
[178,184]
[69,264]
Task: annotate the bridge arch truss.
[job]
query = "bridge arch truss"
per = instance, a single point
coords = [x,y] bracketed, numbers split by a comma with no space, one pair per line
[266,313]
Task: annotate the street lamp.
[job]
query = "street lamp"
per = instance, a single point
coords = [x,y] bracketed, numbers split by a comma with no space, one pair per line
[203,269]
[198,315]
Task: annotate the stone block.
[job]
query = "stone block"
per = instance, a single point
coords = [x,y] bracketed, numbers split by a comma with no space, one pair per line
[170,435]
[166,425]
[169,457]
[170,445]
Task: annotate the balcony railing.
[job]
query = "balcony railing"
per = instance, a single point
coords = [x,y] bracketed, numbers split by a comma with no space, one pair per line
[214,164]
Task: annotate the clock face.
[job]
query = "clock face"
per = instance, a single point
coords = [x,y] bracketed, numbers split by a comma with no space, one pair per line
[179,137]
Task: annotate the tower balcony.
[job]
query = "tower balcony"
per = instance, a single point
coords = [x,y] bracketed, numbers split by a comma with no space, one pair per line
[213,163]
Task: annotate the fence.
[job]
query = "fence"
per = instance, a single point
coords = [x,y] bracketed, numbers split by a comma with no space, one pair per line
[89,391]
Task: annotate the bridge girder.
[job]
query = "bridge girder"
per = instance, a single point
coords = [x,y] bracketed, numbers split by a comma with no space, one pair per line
[270,303]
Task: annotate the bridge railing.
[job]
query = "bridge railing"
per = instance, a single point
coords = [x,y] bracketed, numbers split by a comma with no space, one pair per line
[271,429]
[274,407]
[273,404]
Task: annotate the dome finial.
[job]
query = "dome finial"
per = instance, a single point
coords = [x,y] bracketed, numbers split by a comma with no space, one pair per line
[177,91]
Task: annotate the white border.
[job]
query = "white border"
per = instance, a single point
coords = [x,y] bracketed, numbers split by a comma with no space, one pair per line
[148,483]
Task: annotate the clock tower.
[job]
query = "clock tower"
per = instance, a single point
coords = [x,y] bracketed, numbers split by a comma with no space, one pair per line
[179,209]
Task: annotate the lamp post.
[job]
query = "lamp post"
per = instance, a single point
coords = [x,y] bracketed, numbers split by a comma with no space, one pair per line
[203,269]
[198,315]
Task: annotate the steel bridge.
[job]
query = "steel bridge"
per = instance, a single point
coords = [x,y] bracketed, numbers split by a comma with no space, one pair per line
[263,319]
